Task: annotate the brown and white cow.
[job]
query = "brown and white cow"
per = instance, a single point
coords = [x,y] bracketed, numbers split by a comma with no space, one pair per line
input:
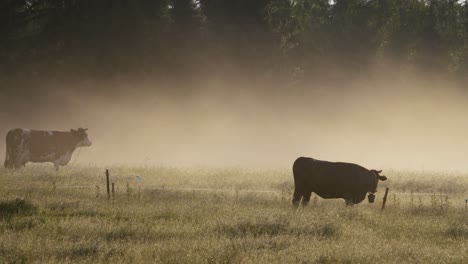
[25,145]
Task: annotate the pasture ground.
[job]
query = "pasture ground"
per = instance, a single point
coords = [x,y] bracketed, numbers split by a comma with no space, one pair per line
[65,217]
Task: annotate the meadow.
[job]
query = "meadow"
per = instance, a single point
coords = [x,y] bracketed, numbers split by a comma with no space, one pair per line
[224,215]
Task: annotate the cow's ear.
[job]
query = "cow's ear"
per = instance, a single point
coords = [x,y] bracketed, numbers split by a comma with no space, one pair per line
[382,178]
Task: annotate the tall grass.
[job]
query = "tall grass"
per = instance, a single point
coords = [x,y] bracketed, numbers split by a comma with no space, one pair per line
[44,219]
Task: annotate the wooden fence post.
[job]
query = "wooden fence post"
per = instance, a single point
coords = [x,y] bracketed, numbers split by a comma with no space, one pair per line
[384,198]
[107,183]
[466,204]
[113,192]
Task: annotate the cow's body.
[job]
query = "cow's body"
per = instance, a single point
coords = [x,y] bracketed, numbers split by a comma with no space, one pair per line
[333,180]
[24,145]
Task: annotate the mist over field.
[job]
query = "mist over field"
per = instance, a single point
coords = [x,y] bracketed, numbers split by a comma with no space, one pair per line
[398,121]
[242,83]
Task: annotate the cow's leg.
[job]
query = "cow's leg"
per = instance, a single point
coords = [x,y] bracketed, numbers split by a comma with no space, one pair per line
[8,163]
[297,195]
[18,164]
[56,164]
[10,157]
[306,198]
[348,197]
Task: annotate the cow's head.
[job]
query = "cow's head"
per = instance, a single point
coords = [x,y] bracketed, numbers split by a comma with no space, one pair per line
[82,137]
[378,178]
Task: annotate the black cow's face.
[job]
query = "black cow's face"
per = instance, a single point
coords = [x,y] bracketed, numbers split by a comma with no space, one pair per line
[378,178]
[82,136]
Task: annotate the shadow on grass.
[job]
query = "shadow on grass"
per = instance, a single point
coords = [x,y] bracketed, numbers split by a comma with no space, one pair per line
[19,206]
[254,229]
[457,231]
[73,209]
[91,213]
[26,223]
[79,251]
[242,229]
[121,234]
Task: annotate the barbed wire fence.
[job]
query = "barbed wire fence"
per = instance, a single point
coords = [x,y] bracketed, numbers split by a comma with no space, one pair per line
[282,193]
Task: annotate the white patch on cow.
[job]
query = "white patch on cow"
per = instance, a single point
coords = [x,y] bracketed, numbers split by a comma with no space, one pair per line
[64,159]
[51,133]
[26,131]
[84,143]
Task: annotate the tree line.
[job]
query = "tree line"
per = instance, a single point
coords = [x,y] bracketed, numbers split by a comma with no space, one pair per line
[188,38]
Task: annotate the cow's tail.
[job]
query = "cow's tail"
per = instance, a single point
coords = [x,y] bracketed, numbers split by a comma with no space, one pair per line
[7,160]
[10,153]
[298,185]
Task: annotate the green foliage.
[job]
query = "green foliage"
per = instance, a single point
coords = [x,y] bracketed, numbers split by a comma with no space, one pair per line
[427,35]
[295,37]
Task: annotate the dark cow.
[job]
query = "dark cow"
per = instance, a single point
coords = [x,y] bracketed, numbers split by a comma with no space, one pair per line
[333,180]
[24,145]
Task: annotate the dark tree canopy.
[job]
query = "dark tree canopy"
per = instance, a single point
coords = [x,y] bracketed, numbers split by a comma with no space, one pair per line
[183,38]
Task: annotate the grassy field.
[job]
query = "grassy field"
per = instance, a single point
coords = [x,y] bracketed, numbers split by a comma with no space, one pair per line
[65,216]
